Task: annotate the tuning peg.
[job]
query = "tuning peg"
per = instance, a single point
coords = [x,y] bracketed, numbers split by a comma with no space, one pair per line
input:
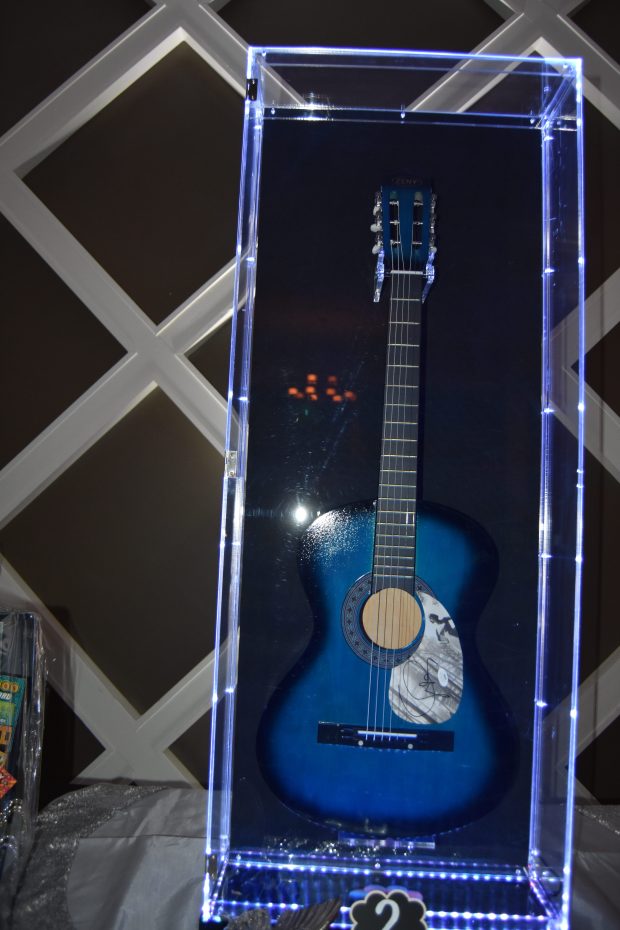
[376,227]
[377,247]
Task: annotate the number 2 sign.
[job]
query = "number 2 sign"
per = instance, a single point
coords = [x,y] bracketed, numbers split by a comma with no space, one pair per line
[395,910]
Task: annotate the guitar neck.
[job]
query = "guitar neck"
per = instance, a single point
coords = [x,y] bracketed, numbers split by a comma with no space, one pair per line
[395,533]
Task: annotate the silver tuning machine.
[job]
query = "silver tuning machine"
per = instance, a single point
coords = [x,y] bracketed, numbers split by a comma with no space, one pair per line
[377,249]
[432,251]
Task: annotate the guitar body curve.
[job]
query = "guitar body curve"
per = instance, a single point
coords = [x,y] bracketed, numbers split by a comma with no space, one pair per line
[448,773]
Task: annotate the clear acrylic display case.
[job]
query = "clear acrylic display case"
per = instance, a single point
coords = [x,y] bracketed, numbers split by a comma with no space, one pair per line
[395,701]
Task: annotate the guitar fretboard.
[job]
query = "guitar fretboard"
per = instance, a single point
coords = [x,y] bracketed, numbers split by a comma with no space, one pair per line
[395,533]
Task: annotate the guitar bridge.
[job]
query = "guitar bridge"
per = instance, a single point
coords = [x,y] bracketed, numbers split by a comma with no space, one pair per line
[365,737]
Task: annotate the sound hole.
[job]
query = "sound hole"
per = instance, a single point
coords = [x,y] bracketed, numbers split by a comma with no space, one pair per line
[391,618]
[359,639]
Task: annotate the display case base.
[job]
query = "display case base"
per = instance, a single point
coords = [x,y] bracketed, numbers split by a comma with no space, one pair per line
[471,897]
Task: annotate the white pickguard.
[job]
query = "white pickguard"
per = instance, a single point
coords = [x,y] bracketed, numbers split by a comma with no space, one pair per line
[427,687]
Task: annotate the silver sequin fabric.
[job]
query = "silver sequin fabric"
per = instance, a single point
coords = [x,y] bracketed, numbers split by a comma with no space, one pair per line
[42,898]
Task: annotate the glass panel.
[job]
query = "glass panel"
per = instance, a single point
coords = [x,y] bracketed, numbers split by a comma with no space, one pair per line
[387,81]
[405,682]
[149,187]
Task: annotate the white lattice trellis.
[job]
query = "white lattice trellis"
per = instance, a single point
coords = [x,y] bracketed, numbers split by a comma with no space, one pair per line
[136,746]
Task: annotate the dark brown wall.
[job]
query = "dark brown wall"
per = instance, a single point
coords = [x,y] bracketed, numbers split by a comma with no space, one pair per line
[122,547]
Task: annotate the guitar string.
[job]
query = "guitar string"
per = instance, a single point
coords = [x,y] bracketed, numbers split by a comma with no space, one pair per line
[397,433]
[395,563]
[409,415]
[399,415]
[378,581]
[383,596]
[389,608]
[396,412]
[403,338]
[373,584]
[393,488]
[388,431]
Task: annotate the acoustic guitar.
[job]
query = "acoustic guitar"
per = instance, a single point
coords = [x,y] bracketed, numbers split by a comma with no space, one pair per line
[389,725]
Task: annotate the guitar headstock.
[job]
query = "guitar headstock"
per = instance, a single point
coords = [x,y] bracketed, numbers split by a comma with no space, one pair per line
[404,225]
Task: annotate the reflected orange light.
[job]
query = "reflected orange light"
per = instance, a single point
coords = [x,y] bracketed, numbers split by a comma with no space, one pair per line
[319,386]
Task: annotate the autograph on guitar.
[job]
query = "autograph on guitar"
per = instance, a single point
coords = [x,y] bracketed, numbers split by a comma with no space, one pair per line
[390,724]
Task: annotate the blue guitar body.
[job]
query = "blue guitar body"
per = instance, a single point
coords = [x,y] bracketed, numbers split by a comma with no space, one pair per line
[446,774]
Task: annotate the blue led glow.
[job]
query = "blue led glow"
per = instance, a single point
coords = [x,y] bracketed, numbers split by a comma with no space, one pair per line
[566,64]
[346,869]
[433,915]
